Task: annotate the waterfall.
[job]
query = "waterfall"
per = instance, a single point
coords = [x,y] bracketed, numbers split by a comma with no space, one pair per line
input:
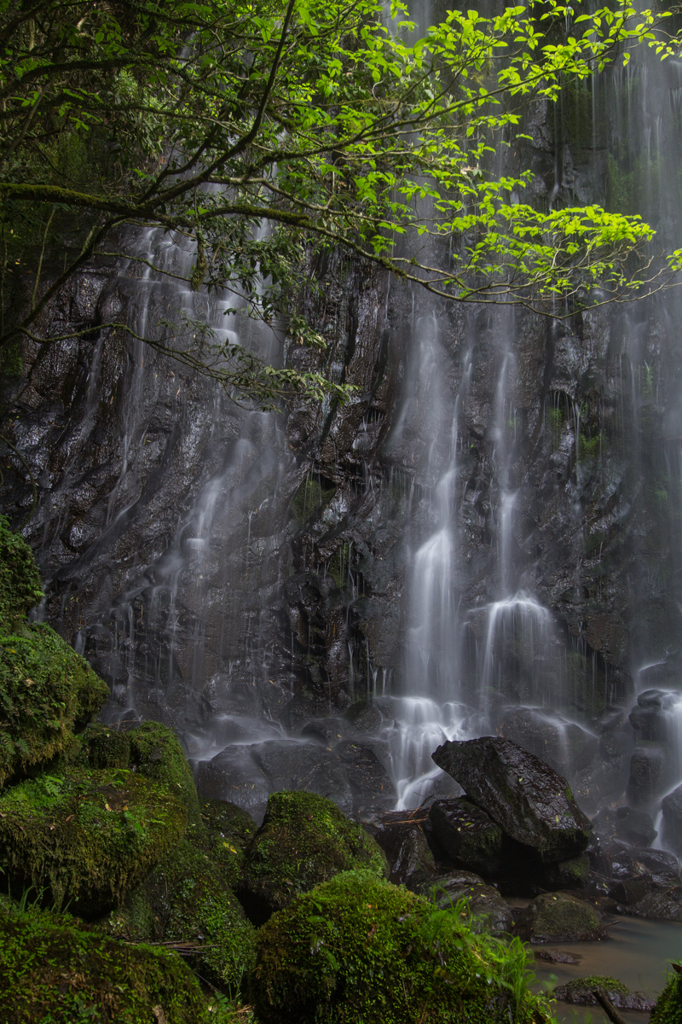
[486,539]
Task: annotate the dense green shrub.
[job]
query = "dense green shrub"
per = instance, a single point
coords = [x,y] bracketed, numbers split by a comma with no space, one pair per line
[54,972]
[304,840]
[358,949]
[86,836]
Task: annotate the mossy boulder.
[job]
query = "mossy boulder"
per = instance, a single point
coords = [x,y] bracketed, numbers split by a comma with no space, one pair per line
[156,753]
[227,830]
[304,840]
[86,836]
[53,972]
[668,1009]
[20,586]
[582,991]
[358,948]
[560,917]
[104,747]
[186,901]
[47,691]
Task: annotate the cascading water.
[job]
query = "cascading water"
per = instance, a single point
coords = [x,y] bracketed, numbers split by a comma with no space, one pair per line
[486,538]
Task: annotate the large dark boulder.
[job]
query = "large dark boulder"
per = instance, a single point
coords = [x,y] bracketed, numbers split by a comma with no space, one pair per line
[563,745]
[648,766]
[486,910]
[560,917]
[581,992]
[410,860]
[529,800]
[635,827]
[304,840]
[468,835]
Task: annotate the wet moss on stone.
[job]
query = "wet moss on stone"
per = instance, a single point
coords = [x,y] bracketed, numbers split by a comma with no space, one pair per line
[304,840]
[186,900]
[20,586]
[227,831]
[54,972]
[86,836]
[104,747]
[47,692]
[668,1009]
[360,949]
[156,753]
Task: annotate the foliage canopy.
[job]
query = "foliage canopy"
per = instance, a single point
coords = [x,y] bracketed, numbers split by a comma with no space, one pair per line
[329,121]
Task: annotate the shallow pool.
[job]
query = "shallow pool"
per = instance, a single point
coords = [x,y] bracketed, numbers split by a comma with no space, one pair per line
[638,953]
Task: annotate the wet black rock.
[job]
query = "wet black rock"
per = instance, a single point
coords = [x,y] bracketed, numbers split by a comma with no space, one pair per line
[564,746]
[409,857]
[531,802]
[566,874]
[636,827]
[662,903]
[327,731]
[468,835]
[234,776]
[647,772]
[659,862]
[294,765]
[485,902]
[363,716]
[648,718]
[560,917]
[672,819]
[370,783]
[557,956]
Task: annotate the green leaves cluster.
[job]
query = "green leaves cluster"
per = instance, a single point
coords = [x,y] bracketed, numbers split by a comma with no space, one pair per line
[327,122]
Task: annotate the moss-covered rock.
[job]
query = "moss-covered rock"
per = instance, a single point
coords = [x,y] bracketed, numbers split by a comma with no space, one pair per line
[46,692]
[668,1009]
[156,753]
[304,840]
[185,900]
[227,831]
[53,972]
[86,836]
[20,585]
[360,949]
[582,991]
[560,917]
[104,747]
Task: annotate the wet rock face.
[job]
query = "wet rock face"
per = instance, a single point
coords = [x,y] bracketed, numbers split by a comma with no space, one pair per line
[527,798]
[409,856]
[468,835]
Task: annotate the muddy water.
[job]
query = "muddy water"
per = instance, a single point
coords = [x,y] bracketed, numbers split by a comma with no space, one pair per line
[638,953]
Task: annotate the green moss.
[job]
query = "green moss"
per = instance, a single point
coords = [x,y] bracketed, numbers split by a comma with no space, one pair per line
[46,692]
[668,1009]
[310,497]
[358,949]
[104,747]
[186,900]
[53,972]
[304,840]
[155,752]
[226,833]
[20,585]
[586,986]
[11,360]
[86,836]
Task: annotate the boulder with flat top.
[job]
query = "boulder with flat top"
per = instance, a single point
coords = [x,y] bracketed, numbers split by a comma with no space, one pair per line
[528,800]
